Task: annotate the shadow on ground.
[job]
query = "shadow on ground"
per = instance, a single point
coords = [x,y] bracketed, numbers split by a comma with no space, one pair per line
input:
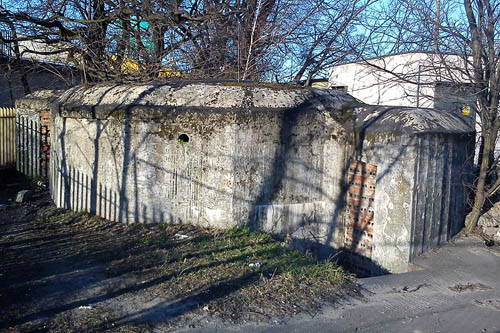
[64,271]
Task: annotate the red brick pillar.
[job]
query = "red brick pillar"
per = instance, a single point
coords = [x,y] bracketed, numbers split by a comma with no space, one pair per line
[45,141]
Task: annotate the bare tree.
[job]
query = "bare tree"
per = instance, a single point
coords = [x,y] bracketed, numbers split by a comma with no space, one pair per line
[461,37]
[329,36]
[236,39]
[482,39]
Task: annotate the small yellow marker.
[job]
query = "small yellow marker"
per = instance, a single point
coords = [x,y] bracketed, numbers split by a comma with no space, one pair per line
[466,110]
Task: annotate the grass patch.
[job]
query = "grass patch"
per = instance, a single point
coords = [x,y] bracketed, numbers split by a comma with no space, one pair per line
[231,274]
[234,275]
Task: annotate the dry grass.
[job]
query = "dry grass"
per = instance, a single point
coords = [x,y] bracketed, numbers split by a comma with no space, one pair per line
[54,262]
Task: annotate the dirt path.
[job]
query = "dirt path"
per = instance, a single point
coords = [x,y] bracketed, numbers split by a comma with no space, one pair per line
[62,271]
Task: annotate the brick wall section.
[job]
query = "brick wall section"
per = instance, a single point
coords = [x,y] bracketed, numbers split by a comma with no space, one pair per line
[33,132]
[45,141]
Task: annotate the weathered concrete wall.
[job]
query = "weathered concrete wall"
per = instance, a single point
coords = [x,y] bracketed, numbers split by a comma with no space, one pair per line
[274,164]
[132,172]
[440,196]
[422,168]
[395,156]
[274,159]
[298,186]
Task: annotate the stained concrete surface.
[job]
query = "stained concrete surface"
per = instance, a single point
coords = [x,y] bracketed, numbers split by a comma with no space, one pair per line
[276,160]
[418,301]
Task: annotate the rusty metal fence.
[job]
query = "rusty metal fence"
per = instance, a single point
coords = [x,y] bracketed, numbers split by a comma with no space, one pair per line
[7,137]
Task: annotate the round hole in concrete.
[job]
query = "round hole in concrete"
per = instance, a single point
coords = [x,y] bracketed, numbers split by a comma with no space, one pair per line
[183,138]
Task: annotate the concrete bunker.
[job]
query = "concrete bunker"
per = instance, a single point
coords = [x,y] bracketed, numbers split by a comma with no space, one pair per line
[315,165]
[420,162]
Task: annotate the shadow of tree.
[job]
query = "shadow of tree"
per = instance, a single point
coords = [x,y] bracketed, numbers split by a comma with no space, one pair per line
[270,187]
[125,202]
[76,260]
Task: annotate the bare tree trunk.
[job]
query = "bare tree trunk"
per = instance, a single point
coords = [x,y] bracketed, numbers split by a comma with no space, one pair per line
[436,26]
[19,65]
[480,194]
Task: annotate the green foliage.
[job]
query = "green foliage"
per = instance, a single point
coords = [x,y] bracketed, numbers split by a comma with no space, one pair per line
[271,257]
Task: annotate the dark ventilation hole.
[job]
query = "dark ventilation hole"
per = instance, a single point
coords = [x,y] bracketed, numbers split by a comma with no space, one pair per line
[183,139]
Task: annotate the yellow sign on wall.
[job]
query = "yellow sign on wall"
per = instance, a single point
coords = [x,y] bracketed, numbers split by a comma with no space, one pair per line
[466,110]
[131,66]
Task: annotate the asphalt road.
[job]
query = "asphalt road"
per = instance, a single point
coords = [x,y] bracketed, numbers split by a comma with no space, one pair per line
[455,288]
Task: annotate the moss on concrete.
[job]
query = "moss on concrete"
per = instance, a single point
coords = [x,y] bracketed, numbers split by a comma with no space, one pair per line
[270,85]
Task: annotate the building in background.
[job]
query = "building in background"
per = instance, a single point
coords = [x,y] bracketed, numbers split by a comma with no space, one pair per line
[43,70]
[415,79]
